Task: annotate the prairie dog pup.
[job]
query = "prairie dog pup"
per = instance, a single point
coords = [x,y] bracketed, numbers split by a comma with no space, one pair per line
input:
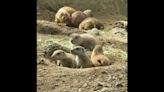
[65,59]
[98,58]
[82,61]
[90,23]
[77,18]
[85,40]
[64,15]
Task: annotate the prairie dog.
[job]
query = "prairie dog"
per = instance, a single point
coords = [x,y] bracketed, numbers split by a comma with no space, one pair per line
[63,58]
[63,15]
[90,23]
[88,13]
[70,10]
[85,40]
[82,61]
[98,58]
[77,18]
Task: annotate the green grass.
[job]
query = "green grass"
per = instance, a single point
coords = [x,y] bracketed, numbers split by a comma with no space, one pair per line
[41,43]
[114,53]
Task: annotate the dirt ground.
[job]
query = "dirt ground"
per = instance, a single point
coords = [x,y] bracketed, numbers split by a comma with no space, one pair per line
[113,78]
[52,78]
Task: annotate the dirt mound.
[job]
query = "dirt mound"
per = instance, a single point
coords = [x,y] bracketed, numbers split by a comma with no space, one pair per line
[46,27]
[52,78]
[51,48]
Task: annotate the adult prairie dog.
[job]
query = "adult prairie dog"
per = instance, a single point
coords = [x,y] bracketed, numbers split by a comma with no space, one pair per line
[63,15]
[77,18]
[90,23]
[82,60]
[64,59]
[98,58]
[85,40]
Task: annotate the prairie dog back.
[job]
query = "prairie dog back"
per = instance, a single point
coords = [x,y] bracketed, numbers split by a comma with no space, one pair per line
[85,40]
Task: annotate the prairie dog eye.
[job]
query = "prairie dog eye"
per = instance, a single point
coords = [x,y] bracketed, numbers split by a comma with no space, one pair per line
[58,53]
[77,48]
[76,37]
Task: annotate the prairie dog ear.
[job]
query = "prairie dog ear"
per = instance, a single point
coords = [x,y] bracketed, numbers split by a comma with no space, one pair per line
[103,43]
[84,50]
[62,52]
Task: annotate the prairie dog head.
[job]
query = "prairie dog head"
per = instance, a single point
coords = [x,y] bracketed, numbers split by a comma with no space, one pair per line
[78,50]
[58,55]
[63,17]
[90,23]
[76,39]
[88,12]
[99,48]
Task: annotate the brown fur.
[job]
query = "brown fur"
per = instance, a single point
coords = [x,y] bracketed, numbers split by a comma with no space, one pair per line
[82,60]
[64,59]
[88,13]
[70,10]
[98,58]
[64,15]
[77,18]
[90,23]
[85,40]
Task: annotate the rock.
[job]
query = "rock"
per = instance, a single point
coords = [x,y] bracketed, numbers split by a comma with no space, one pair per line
[51,48]
[98,87]
[94,31]
[121,24]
